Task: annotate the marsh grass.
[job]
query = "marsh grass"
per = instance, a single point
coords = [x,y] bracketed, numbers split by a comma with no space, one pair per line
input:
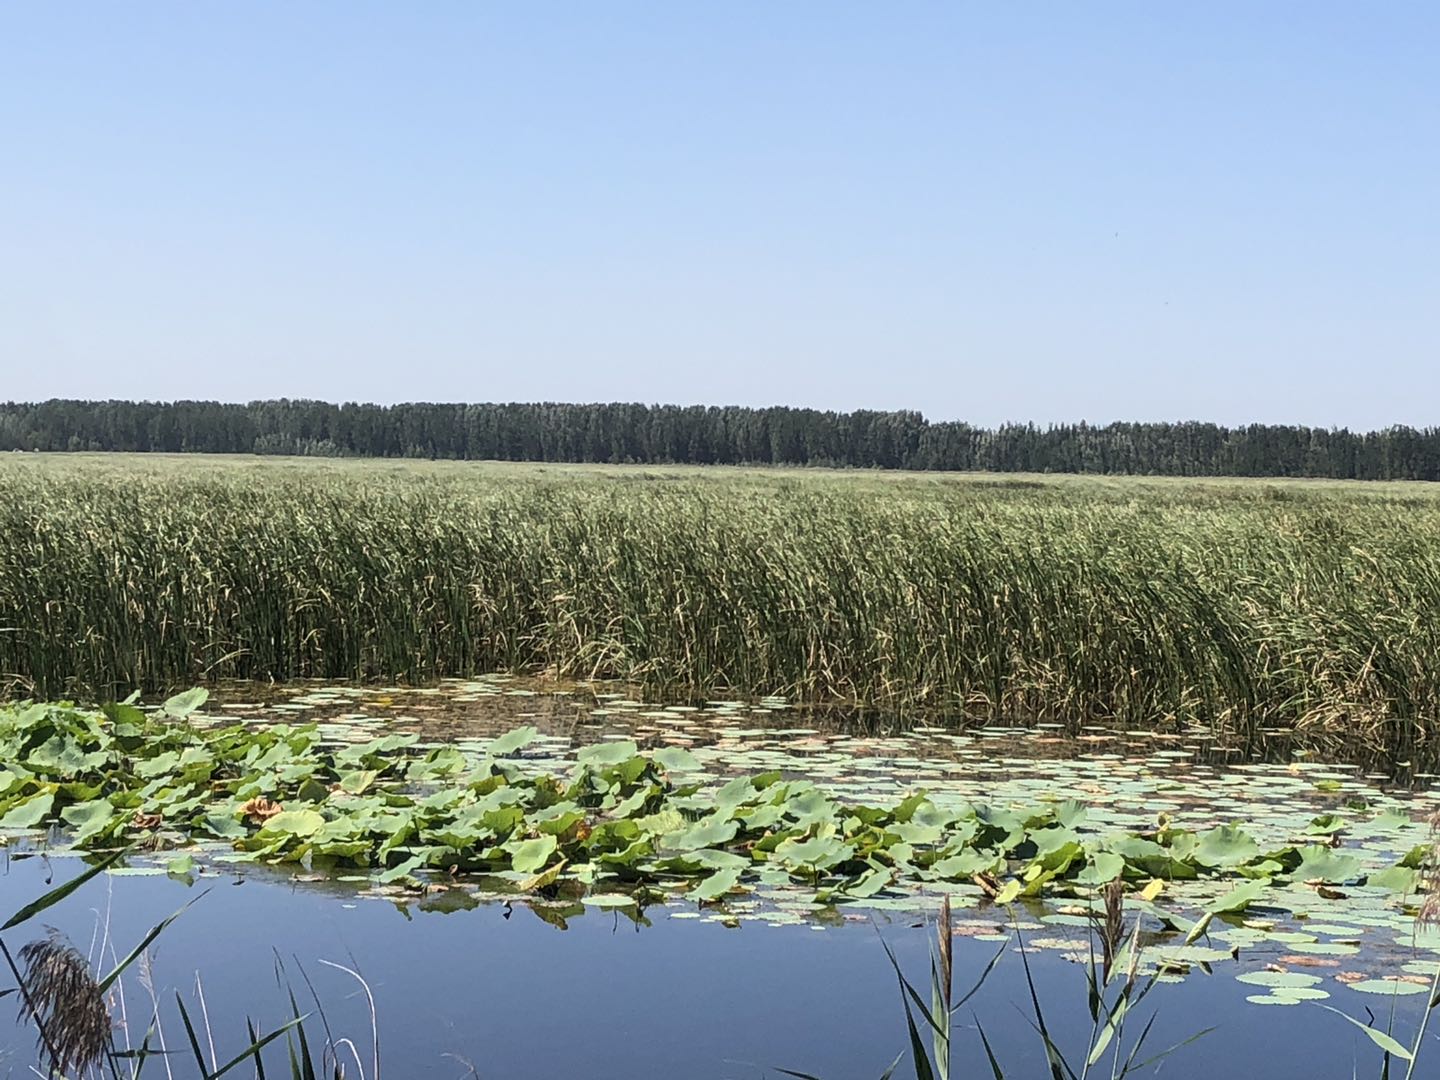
[1142,603]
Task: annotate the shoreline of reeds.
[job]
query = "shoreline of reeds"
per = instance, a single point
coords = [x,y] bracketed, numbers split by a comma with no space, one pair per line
[1210,606]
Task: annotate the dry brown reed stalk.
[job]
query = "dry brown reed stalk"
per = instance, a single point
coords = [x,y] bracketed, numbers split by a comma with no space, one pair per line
[944,930]
[1112,924]
[65,1003]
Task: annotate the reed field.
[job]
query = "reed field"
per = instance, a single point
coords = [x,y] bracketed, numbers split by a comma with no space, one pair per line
[1229,604]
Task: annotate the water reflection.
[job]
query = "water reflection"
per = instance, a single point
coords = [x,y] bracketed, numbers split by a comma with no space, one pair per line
[513,997]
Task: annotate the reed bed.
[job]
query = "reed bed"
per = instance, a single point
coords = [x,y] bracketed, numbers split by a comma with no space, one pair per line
[1235,605]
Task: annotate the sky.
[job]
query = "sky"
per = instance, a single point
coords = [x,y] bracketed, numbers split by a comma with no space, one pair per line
[1226,211]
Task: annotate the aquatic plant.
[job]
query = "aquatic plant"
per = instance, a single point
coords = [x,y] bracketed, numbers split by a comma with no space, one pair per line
[622,827]
[1150,604]
[1427,917]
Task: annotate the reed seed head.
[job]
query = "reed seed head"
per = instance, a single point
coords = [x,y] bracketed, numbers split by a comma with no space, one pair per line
[66,1004]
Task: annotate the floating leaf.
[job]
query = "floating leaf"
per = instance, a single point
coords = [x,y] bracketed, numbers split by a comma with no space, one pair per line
[1400,879]
[607,754]
[1388,986]
[609,900]
[1292,979]
[1324,948]
[180,865]
[675,759]
[1319,863]
[1225,847]
[184,704]
[512,741]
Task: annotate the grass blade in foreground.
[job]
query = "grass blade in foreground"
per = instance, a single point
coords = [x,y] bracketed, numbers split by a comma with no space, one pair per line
[60,892]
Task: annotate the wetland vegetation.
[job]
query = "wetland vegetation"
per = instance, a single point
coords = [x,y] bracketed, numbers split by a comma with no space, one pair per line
[1141,860]
[622,827]
[684,702]
[1233,606]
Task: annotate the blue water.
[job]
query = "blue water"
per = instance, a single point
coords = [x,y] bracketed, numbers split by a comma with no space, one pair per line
[517,997]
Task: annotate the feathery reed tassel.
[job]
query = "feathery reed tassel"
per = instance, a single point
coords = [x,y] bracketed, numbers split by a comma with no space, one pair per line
[65,1003]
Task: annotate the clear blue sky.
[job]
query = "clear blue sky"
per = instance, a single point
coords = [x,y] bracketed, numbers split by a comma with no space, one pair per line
[1104,211]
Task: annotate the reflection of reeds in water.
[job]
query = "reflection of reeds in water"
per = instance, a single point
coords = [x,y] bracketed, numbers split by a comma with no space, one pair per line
[1430,881]
[65,1003]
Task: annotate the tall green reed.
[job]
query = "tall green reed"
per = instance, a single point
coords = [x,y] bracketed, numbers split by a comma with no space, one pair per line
[1145,605]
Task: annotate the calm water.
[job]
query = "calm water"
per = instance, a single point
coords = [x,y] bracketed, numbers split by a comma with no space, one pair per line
[511,995]
[520,998]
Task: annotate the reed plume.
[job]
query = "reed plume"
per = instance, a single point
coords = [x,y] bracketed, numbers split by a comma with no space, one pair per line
[66,1005]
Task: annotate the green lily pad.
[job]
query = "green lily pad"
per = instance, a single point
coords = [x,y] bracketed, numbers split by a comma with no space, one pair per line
[1290,979]
[1388,986]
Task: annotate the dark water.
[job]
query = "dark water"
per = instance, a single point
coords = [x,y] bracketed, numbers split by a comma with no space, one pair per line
[517,997]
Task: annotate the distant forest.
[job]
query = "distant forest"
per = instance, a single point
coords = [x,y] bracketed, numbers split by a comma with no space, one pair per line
[662,434]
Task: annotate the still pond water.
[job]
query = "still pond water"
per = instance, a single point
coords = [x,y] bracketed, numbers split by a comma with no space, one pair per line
[462,981]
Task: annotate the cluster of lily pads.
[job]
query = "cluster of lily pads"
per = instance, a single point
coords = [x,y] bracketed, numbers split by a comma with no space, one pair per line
[621,826]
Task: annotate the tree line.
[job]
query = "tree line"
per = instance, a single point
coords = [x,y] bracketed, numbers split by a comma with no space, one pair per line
[731,435]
